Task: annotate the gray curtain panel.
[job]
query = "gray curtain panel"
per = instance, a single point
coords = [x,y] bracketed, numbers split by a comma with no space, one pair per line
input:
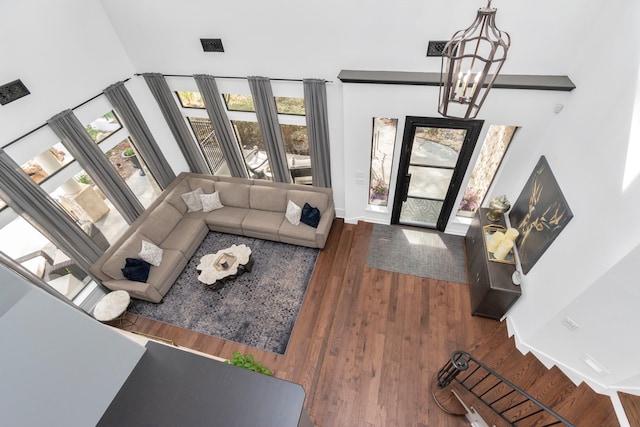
[315,105]
[146,145]
[270,127]
[75,138]
[221,125]
[32,203]
[161,92]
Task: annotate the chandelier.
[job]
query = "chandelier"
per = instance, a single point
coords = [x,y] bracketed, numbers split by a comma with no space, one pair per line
[471,60]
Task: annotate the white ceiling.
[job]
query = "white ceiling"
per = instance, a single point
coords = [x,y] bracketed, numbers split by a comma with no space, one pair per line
[287,38]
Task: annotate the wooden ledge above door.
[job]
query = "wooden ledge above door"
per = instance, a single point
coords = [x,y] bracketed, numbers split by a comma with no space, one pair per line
[503,81]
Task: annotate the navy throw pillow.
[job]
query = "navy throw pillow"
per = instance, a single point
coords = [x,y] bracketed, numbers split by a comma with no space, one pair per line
[310,216]
[136,269]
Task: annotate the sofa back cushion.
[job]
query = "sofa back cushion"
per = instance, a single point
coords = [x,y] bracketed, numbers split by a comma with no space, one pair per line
[160,222]
[236,195]
[315,199]
[130,248]
[174,198]
[207,185]
[268,198]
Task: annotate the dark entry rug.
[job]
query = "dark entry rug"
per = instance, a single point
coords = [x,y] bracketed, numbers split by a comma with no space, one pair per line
[414,251]
[258,309]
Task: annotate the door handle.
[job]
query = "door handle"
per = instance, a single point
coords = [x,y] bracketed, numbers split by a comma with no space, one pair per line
[405,190]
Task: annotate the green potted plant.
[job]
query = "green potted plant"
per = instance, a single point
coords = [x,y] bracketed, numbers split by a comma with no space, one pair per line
[247,361]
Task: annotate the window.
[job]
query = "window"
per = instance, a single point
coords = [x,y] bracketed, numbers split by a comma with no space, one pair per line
[85,203]
[102,127]
[247,131]
[47,163]
[296,144]
[209,145]
[253,149]
[133,171]
[239,102]
[293,106]
[492,152]
[284,105]
[28,247]
[382,146]
[190,99]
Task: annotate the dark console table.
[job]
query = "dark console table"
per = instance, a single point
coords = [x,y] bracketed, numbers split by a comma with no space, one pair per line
[172,387]
[490,283]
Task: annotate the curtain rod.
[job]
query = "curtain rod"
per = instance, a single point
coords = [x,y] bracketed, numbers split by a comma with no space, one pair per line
[44,124]
[233,77]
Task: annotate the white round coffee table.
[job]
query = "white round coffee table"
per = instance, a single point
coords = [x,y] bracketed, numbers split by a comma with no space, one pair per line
[112,306]
[211,271]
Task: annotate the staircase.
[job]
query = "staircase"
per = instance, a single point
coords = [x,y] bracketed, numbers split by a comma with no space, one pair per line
[574,405]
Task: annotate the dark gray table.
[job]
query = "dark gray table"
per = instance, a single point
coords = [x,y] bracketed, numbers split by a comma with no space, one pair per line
[172,387]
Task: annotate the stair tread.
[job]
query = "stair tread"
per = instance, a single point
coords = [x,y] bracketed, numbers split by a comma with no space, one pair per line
[552,387]
[631,405]
[521,371]
[586,408]
[490,417]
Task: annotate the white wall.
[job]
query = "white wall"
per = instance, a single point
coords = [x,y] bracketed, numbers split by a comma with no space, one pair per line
[530,110]
[64,51]
[58,365]
[588,151]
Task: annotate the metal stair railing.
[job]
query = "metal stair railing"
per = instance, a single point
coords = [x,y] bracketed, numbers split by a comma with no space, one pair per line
[492,388]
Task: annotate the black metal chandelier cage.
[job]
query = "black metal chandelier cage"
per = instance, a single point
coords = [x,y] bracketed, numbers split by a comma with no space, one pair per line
[471,61]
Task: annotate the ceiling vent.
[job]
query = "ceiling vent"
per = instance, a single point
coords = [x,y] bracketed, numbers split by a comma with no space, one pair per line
[12,91]
[436,47]
[212,45]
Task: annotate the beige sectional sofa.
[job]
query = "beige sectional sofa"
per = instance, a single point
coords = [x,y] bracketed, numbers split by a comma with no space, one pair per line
[253,208]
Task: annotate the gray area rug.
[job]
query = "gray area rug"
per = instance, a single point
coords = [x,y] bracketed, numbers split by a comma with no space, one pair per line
[417,252]
[258,309]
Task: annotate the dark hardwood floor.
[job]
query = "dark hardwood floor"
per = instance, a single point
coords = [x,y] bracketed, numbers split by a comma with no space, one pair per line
[367,342]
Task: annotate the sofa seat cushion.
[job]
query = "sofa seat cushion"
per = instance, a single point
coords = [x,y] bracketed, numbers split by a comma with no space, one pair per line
[159,223]
[163,276]
[290,233]
[263,224]
[130,248]
[226,218]
[186,236]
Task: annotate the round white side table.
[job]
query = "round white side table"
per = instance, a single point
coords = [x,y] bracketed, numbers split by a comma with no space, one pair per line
[112,307]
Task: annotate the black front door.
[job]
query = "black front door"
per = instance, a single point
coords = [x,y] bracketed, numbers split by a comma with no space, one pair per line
[435,155]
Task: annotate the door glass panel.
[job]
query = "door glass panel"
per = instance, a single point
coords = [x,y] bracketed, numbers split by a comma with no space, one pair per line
[436,146]
[421,212]
[430,183]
